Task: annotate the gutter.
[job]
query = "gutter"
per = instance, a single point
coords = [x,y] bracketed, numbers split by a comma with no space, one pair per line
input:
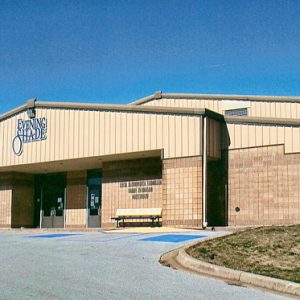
[262,121]
[257,98]
[32,104]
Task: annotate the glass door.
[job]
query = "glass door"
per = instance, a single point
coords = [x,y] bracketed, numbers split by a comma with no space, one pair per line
[94,185]
[50,195]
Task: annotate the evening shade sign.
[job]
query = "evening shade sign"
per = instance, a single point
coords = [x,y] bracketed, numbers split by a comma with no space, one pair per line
[29,131]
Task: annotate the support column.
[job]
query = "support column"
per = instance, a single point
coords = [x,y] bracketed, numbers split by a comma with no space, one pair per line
[76,199]
[204,173]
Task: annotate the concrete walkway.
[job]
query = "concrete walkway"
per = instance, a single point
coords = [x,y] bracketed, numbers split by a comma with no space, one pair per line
[104,265]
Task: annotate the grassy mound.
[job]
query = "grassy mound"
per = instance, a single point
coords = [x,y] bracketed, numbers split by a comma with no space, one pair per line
[269,251]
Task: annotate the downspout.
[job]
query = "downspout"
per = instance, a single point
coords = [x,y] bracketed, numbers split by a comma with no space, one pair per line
[204,172]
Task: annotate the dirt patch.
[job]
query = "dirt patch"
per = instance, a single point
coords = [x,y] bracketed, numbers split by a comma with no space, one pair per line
[269,251]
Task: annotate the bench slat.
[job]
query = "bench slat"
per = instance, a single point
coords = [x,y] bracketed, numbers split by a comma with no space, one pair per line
[138,212]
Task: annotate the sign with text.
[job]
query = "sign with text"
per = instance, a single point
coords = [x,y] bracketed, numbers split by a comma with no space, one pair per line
[140,189]
[29,131]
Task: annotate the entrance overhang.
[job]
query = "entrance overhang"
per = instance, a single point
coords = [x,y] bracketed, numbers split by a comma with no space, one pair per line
[83,163]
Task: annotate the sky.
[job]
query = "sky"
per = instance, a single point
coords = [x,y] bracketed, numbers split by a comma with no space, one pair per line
[119,51]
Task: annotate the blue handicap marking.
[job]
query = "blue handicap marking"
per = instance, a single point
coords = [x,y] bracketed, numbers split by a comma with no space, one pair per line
[52,235]
[173,238]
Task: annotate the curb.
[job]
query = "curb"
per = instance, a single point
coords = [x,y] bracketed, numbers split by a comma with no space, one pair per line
[278,285]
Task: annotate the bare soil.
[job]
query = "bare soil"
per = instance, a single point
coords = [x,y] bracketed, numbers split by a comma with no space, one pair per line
[269,251]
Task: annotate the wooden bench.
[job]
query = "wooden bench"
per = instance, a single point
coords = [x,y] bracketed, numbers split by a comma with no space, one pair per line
[137,213]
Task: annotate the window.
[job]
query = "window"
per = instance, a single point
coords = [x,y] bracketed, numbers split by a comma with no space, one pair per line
[240,112]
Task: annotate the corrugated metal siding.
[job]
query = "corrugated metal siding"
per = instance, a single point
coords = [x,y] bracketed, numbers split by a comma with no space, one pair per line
[84,133]
[214,105]
[264,109]
[244,136]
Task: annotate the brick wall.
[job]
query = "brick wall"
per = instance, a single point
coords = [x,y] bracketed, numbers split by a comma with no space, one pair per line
[5,207]
[21,206]
[264,184]
[182,192]
[76,199]
[130,184]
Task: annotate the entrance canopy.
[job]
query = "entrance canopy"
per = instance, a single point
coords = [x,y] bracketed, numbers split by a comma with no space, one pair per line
[77,164]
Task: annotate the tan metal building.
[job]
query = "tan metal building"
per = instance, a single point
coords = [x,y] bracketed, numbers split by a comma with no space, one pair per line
[203,159]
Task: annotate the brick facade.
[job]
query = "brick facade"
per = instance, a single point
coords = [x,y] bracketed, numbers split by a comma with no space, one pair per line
[263,189]
[130,184]
[182,192]
[17,200]
[264,184]
[5,207]
[23,206]
[76,199]
[177,189]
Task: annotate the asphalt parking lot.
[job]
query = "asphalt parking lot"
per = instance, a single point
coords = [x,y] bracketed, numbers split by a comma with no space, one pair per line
[100,265]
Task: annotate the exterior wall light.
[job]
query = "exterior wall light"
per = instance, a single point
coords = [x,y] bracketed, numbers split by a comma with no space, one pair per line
[31,113]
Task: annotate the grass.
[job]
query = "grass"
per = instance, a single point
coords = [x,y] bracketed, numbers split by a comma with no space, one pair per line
[268,251]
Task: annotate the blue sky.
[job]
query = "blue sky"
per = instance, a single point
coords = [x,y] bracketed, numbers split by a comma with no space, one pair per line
[120,51]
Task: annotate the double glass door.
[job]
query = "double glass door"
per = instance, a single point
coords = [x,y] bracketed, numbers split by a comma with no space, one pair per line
[50,195]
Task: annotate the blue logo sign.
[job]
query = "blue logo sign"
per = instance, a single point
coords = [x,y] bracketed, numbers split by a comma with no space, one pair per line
[29,131]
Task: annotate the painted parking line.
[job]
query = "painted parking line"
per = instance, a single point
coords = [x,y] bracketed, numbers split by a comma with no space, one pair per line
[105,240]
[53,235]
[173,238]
